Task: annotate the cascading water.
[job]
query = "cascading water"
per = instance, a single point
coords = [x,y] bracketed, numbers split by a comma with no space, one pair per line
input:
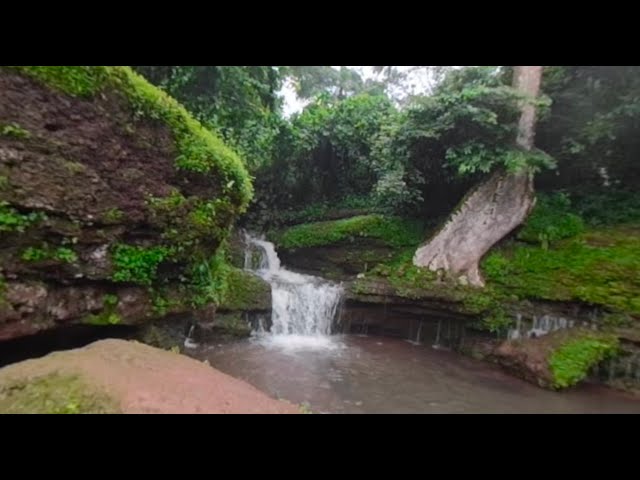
[539,326]
[303,306]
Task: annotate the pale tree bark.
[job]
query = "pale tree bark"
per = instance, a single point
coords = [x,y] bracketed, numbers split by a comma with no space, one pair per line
[492,210]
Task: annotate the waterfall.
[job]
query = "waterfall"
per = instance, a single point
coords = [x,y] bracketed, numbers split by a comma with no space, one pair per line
[189,341]
[303,306]
[539,326]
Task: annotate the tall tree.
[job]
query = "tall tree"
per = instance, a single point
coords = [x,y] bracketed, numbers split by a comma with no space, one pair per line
[493,209]
[311,81]
[240,102]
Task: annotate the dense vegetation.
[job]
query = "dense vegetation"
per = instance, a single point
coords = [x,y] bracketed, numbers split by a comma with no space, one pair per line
[359,162]
[354,150]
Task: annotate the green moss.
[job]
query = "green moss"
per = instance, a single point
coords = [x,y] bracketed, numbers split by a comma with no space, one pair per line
[192,228]
[14,130]
[13,221]
[199,150]
[53,394]
[111,300]
[137,264]
[74,167]
[391,231]
[160,303]
[246,292]
[60,254]
[74,80]
[571,362]
[188,224]
[4,182]
[103,318]
[108,315]
[599,267]
[113,215]
[232,324]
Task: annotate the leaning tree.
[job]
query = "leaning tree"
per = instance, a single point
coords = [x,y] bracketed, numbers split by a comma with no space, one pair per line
[495,207]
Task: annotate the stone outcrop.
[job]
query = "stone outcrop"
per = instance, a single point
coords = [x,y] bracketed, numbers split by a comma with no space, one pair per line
[113,200]
[116,376]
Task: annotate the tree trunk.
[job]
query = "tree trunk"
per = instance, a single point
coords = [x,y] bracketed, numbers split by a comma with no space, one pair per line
[492,210]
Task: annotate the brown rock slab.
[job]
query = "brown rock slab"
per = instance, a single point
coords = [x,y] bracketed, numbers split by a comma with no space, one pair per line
[132,377]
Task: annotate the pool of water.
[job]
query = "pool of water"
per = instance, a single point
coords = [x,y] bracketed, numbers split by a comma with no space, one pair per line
[357,374]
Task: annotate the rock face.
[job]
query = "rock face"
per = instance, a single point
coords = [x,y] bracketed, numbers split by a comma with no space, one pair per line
[559,359]
[528,359]
[112,200]
[336,262]
[116,376]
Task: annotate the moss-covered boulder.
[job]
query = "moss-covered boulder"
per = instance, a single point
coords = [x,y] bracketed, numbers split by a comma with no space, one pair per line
[113,200]
[246,292]
[116,376]
[558,360]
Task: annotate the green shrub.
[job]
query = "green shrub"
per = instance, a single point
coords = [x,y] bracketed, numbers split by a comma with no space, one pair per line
[137,264]
[551,220]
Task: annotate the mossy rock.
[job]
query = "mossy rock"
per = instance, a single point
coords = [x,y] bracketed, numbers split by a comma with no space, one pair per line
[391,231]
[246,292]
[116,376]
[198,149]
[112,183]
[559,359]
[51,394]
[231,325]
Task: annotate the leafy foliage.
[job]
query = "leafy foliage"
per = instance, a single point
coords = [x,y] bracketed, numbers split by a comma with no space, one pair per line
[137,264]
[13,221]
[591,127]
[465,130]
[239,102]
[209,280]
[61,254]
[551,220]
[608,207]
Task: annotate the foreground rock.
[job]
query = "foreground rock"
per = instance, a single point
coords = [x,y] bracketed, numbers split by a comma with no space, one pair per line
[113,200]
[116,376]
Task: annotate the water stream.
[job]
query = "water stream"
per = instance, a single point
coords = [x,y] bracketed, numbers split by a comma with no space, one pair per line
[303,307]
[299,359]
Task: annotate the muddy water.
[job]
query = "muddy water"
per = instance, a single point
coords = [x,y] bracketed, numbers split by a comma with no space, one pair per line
[352,374]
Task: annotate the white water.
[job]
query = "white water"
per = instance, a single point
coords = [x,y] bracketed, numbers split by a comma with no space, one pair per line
[303,306]
[539,326]
[188,342]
